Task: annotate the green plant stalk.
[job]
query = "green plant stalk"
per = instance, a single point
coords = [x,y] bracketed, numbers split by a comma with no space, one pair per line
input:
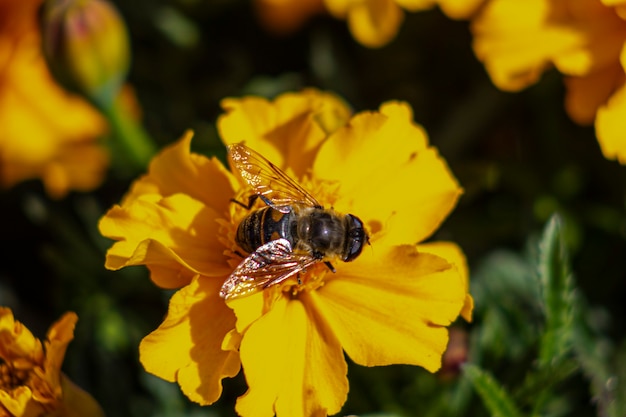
[556,285]
[495,398]
[130,138]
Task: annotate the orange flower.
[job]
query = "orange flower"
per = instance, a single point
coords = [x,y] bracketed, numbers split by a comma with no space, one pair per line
[583,39]
[391,305]
[31,382]
[44,131]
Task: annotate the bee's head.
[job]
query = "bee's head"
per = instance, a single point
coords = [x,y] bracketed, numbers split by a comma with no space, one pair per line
[355,238]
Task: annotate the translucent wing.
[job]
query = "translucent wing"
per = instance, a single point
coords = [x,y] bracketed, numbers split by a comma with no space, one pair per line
[266,179]
[269,265]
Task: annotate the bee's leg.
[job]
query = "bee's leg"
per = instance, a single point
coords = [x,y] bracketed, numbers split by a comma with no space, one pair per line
[251,201]
[330,266]
[299,280]
[241,255]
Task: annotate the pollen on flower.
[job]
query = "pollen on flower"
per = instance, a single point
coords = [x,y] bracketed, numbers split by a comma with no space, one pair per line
[11,377]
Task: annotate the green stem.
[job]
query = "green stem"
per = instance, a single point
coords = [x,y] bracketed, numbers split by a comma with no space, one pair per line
[136,146]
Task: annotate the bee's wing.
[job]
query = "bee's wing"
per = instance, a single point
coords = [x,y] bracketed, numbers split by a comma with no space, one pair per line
[267,179]
[269,265]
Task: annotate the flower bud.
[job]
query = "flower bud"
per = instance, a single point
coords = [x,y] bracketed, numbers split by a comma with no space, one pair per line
[87,47]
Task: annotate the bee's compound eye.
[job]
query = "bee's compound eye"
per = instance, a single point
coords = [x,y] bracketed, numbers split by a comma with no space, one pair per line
[355,238]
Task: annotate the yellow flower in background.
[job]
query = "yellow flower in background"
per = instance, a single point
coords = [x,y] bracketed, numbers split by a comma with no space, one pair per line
[391,305]
[31,382]
[45,132]
[373,23]
[583,39]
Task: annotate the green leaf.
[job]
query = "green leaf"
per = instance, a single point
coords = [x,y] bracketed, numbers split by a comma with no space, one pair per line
[557,292]
[496,399]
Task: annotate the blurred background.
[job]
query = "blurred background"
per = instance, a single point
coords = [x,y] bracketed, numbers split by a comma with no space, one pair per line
[518,156]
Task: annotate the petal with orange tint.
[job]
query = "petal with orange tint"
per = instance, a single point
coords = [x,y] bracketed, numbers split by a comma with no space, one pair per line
[20,402]
[181,230]
[453,254]
[177,170]
[375,23]
[285,16]
[37,138]
[294,365]
[286,131]
[187,346]
[586,94]
[17,342]
[391,307]
[60,335]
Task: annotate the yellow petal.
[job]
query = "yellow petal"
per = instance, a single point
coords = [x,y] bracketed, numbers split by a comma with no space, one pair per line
[177,170]
[453,254]
[515,40]
[402,191]
[460,9]
[375,23]
[611,127]
[287,130]
[187,346]
[392,307]
[416,5]
[179,227]
[294,365]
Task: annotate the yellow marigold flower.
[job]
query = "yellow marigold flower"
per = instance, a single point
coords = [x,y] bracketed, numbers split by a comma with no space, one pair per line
[31,382]
[390,306]
[45,132]
[374,23]
[583,39]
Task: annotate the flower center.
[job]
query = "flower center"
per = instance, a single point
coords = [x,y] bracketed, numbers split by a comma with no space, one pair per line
[10,377]
[278,225]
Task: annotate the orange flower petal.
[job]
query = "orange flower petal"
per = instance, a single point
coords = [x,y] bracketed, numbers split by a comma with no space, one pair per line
[176,236]
[294,364]
[586,94]
[288,130]
[37,138]
[392,308]
[375,23]
[460,9]
[20,403]
[453,254]
[176,170]
[285,16]
[378,182]
[187,346]
[60,335]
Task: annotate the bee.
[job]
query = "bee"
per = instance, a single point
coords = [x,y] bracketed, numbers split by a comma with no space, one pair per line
[290,234]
